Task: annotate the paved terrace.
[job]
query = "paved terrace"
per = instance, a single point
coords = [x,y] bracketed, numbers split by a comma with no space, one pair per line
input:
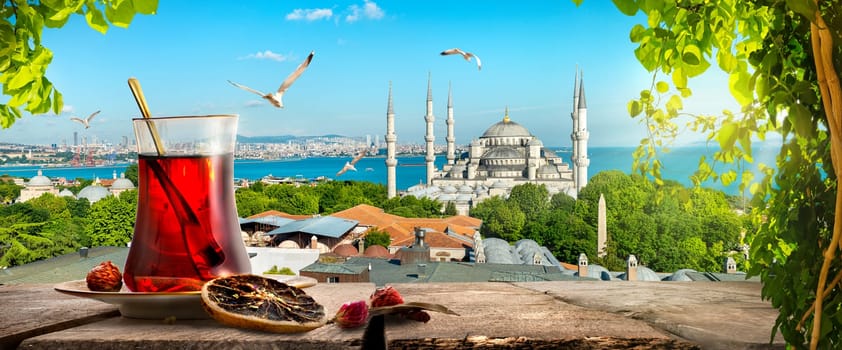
[523,315]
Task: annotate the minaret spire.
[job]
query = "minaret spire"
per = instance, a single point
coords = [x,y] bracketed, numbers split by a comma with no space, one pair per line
[451,139]
[430,138]
[391,140]
[581,134]
[574,116]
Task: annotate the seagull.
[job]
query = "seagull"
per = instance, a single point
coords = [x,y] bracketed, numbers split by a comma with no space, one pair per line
[86,122]
[350,165]
[275,97]
[466,55]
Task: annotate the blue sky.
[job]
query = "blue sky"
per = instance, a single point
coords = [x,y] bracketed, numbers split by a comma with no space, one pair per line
[184,54]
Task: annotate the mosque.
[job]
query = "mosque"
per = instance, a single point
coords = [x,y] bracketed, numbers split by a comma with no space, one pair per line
[506,155]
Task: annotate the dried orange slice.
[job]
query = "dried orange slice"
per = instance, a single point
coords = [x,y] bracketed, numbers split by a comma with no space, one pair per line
[256,302]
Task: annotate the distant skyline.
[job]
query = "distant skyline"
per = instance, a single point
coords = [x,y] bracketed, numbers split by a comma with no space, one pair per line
[184,54]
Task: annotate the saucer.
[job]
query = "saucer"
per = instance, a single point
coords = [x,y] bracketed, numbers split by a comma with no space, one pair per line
[160,305]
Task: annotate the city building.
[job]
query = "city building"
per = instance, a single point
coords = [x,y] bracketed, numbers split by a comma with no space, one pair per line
[37,186]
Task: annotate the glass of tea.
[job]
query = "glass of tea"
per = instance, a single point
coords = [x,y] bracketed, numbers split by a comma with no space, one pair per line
[187,229]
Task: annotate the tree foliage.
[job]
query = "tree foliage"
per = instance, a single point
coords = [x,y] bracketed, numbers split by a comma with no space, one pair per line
[111,222]
[24,60]
[375,236]
[782,59]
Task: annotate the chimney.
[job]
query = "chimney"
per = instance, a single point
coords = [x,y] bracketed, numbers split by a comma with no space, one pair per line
[583,265]
[360,246]
[730,265]
[314,242]
[419,238]
[83,252]
[631,268]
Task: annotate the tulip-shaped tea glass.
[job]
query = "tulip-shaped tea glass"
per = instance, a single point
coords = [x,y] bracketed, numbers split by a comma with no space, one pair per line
[187,229]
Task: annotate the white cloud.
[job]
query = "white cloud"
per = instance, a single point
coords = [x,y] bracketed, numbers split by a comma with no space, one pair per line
[266,55]
[309,14]
[369,10]
[67,109]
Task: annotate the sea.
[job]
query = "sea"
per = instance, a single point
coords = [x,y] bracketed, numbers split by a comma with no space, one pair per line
[678,165]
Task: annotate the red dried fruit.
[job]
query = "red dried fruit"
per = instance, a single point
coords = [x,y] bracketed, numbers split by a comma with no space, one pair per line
[105,277]
[352,314]
[386,296]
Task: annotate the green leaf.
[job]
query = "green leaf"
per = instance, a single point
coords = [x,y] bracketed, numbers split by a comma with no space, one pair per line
[20,78]
[149,7]
[120,13]
[662,87]
[634,108]
[637,33]
[61,15]
[727,61]
[691,55]
[96,20]
[805,8]
[627,7]
[674,104]
[738,83]
[679,79]
[801,119]
[577,2]
[58,101]
[727,135]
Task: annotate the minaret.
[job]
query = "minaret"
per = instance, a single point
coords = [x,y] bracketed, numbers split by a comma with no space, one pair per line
[451,139]
[601,227]
[574,115]
[391,139]
[429,138]
[581,151]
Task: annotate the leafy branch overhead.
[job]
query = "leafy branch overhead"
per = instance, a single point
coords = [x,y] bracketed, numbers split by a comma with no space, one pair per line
[23,58]
[782,59]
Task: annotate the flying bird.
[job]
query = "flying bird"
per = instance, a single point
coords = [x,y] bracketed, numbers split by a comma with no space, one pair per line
[466,55]
[275,97]
[350,165]
[87,121]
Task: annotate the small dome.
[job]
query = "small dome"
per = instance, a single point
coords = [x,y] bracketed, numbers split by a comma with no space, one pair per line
[290,244]
[39,181]
[450,189]
[506,128]
[464,197]
[66,193]
[680,276]
[446,197]
[122,183]
[377,251]
[93,193]
[465,189]
[535,142]
[499,184]
[502,152]
[345,250]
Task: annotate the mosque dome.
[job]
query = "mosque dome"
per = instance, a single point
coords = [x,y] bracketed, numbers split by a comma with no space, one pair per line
[450,189]
[93,193]
[39,181]
[122,183]
[506,128]
[502,152]
[465,189]
[446,197]
[499,184]
[680,275]
[66,193]
[535,142]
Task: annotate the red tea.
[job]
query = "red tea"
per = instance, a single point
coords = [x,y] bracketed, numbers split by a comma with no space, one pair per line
[187,230]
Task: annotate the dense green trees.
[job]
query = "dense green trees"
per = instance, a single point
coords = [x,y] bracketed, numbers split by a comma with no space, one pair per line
[375,236]
[666,226]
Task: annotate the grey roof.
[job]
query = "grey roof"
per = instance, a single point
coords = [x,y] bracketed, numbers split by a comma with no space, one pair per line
[547,169]
[596,271]
[273,220]
[498,251]
[643,274]
[342,269]
[680,276]
[39,180]
[327,226]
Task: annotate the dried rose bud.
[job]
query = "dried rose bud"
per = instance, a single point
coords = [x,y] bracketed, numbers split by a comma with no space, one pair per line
[386,296]
[105,277]
[417,315]
[352,314]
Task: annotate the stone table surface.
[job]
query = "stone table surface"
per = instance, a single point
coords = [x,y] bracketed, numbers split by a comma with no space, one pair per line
[529,315]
